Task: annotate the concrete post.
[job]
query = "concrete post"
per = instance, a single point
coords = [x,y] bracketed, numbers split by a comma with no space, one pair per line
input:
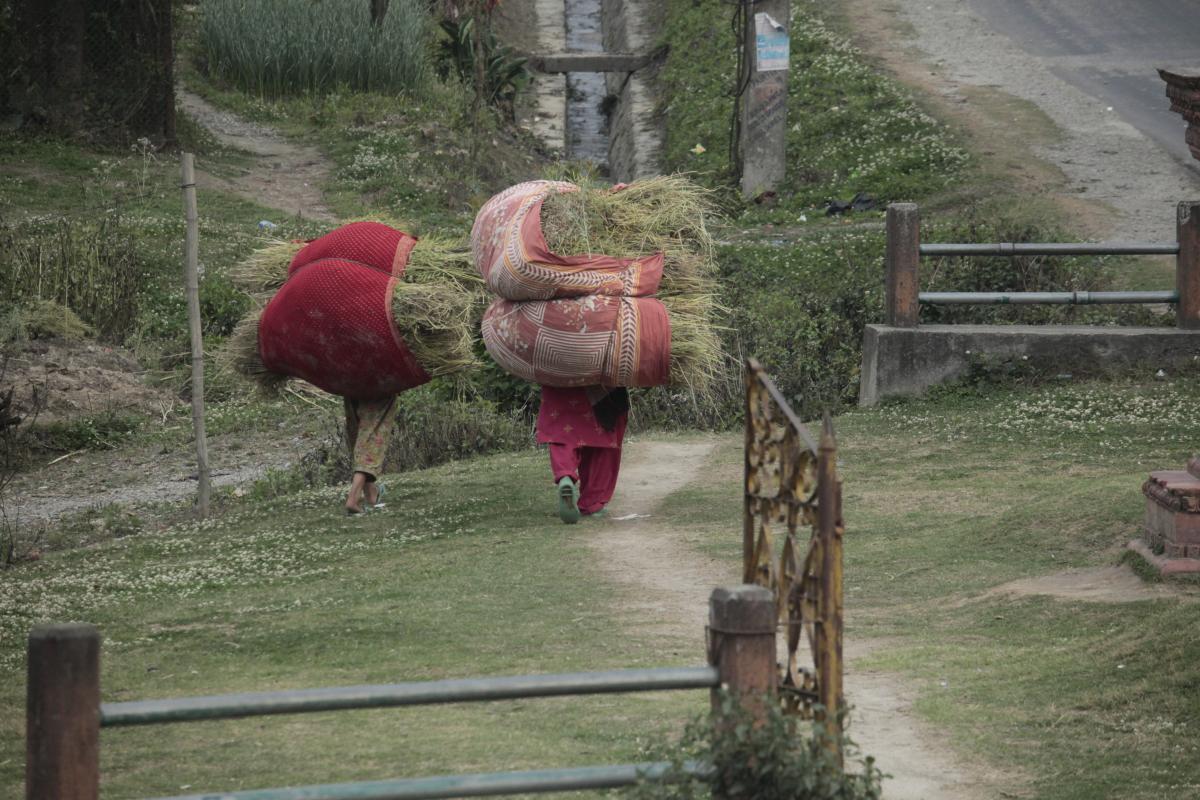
[1187,265]
[62,714]
[764,99]
[741,624]
[901,261]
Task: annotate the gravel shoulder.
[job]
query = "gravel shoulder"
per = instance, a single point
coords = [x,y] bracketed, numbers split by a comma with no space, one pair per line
[1025,121]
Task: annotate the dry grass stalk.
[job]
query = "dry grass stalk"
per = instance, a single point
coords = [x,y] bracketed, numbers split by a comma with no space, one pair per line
[265,270]
[697,357]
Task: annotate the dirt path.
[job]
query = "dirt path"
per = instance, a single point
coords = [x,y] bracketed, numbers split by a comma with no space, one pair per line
[1027,121]
[669,582]
[284,175]
[150,476]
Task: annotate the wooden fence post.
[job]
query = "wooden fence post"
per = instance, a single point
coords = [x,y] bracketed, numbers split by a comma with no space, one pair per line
[62,722]
[191,257]
[741,625]
[1187,265]
[901,262]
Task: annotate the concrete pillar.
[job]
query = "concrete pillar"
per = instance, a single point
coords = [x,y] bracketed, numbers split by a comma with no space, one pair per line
[764,100]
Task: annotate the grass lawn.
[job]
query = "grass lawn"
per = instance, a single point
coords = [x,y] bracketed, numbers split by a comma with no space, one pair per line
[468,574]
[947,499]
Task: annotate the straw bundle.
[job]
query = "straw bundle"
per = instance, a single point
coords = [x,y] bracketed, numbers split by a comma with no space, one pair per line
[435,322]
[664,214]
[434,307]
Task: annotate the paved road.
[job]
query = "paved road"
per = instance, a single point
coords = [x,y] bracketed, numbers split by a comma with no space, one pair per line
[1109,49]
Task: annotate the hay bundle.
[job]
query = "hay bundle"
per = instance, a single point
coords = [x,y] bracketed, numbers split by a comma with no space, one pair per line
[663,214]
[433,307]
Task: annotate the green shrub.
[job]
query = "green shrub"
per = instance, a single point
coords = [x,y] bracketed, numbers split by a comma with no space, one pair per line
[89,266]
[273,48]
[103,431]
[781,758]
[801,311]
[504,73]
[433,427]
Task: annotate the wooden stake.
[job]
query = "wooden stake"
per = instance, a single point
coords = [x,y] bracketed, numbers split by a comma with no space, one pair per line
[901,261]
[829,625]
[191,257]
[62,714]
[741,626]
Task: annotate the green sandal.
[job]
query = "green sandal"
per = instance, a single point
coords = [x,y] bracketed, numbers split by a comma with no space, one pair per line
[568,500]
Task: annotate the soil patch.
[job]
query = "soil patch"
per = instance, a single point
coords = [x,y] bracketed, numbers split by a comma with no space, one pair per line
[79,379]
[1118,584]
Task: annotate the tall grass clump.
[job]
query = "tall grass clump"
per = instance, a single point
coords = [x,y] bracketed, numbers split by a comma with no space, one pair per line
[274,48]
[88,266]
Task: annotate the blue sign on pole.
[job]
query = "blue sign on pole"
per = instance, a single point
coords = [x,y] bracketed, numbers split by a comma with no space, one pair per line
[771,44]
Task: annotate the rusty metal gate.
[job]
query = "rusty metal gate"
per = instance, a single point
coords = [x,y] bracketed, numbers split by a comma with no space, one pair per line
[792,484]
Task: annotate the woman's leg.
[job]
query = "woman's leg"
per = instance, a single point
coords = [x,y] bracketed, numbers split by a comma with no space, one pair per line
[564,461]
[598,472]
[564,464]
[373,425]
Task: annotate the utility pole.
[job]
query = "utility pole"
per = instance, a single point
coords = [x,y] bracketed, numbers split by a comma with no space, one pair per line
[764,97]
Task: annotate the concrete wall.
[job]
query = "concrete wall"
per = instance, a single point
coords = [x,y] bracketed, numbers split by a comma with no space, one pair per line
[907,361]
[635,128]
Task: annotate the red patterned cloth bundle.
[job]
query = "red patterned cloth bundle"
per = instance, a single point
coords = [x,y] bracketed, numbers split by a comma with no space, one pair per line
[331,322]
[566,321]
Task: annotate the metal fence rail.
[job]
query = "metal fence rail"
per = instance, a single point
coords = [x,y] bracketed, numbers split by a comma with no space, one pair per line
[190,709]
[902,259]
[482,784]
[1051,249]
[64,715]
[1044,298]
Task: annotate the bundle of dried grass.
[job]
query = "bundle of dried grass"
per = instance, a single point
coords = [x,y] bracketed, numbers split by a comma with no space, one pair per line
[664,214]
[435,320]
[435,307]
[265,270]
[697,357]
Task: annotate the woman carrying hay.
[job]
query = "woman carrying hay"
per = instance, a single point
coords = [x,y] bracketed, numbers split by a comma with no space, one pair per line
[584,429]
[364,312]
[597,287]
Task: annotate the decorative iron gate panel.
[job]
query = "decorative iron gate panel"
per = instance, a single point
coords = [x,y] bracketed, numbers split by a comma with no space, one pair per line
[792,484]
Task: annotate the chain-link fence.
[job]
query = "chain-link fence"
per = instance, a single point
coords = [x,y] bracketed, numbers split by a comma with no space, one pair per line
[102,68]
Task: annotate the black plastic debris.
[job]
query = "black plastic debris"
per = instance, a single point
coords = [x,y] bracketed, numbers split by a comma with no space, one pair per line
[860,202]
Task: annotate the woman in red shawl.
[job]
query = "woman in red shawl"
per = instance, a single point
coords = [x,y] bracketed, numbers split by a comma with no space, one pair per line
[584,428]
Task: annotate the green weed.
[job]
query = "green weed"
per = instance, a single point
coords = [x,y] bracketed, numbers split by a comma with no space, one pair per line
[272,48]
